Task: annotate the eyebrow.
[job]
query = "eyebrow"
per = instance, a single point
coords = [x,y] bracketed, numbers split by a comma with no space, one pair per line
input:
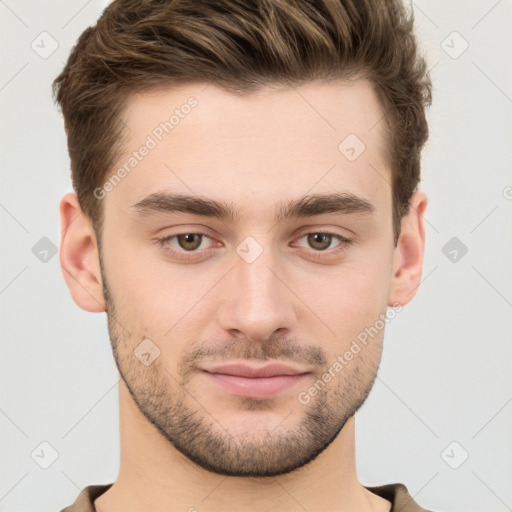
[306,206]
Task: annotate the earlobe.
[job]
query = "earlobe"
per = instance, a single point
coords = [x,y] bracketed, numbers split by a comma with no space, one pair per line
[78,255]
[408,255]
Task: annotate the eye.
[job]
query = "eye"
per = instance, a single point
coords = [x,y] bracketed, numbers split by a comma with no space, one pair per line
[186,243]
[189,241]
[322,240]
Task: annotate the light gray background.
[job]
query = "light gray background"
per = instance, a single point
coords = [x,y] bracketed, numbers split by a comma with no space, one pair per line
[445,374]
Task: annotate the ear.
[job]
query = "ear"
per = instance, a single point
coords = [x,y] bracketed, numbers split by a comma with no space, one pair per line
[78,254]
[408,255]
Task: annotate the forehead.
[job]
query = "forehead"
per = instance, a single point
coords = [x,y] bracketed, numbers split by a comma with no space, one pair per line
[268,145]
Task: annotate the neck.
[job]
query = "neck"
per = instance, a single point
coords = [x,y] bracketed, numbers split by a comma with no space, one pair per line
[155,476]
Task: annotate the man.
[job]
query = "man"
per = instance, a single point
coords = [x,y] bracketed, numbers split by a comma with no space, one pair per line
[246,209]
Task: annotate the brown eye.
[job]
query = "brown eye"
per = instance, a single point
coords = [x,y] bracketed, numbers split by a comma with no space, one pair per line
[320,241]
[320,244]
[186,246]
[189,241]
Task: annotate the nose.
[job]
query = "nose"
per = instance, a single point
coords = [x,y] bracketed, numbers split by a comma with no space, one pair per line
[257,301]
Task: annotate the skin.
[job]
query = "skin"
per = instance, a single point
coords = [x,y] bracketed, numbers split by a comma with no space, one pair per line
[186,442]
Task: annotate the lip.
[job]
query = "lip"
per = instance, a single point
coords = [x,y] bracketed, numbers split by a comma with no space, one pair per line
[244,370]
[262,382]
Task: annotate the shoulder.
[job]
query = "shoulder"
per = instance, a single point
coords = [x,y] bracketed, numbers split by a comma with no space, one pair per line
[399,496]
[85,500]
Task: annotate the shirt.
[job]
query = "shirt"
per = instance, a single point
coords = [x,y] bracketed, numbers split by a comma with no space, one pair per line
[397,494]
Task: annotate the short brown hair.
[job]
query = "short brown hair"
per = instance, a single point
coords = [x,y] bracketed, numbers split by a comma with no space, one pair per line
[241,45]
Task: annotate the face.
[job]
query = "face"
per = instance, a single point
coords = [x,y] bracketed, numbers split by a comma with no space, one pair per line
[255,276]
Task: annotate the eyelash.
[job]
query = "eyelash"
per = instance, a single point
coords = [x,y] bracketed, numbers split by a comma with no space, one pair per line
[164,244]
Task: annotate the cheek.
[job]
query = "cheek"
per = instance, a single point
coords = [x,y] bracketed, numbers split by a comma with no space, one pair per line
[350,298]
[163,297]
[356,288]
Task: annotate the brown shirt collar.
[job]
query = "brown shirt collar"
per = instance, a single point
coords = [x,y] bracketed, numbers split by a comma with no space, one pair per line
[397,494]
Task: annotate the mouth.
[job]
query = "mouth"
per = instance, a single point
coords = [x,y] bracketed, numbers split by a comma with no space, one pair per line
[263,382]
